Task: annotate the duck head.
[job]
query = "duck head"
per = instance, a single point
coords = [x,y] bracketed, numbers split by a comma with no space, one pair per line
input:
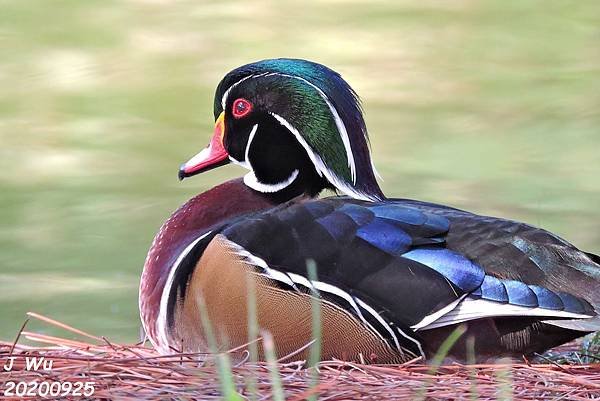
[296,125]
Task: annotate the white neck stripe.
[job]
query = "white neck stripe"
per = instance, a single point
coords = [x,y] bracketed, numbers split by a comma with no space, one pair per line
[253,182]
[250,138]
[320,166]
[246,162]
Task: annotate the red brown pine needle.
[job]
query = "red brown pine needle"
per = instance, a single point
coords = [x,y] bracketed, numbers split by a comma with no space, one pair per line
[137,372]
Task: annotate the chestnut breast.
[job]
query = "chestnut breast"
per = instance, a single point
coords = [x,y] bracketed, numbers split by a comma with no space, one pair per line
[228,200]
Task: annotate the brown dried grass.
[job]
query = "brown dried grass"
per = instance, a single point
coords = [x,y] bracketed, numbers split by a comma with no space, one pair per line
[136,372]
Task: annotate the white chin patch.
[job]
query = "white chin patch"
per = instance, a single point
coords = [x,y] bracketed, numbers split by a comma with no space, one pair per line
[251,181]
[243,164]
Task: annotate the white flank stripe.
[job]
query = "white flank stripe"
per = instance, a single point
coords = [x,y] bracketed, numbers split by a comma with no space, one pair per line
[381,321]
[325,287]
[303,281]
[331,289]
[291,279]
[279,276]
[477,308]
[164,299]
[319,285]
[414,340]
[260,262]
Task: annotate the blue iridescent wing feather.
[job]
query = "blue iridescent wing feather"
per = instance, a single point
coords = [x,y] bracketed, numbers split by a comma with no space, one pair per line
[360,247]
[394,253]
[412,262]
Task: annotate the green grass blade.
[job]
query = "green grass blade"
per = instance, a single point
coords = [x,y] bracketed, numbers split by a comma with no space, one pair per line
[445,348]
[590,349]
[225,374]
[473,393]
[252,336]
[439,357]
[269,347]
[317,328]
[505,382]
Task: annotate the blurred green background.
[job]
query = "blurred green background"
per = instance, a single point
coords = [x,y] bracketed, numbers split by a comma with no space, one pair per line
[492,106]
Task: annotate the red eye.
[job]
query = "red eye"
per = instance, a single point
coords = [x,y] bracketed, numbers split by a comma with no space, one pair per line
[241,107]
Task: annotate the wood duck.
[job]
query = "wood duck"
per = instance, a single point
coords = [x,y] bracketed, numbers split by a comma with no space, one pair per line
[395,276]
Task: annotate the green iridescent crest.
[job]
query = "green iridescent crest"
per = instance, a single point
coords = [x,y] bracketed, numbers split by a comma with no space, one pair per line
[319,107]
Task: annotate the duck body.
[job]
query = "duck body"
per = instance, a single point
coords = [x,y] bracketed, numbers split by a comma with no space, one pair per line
[395,276]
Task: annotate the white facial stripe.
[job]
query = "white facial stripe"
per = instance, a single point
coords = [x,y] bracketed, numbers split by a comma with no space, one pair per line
[320,165]
[250,138]
[243,164]
[316,159]
[336,117]
[163,336]
[251,181]
[352,192]
[373,167]
[226,94]
[338,122]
